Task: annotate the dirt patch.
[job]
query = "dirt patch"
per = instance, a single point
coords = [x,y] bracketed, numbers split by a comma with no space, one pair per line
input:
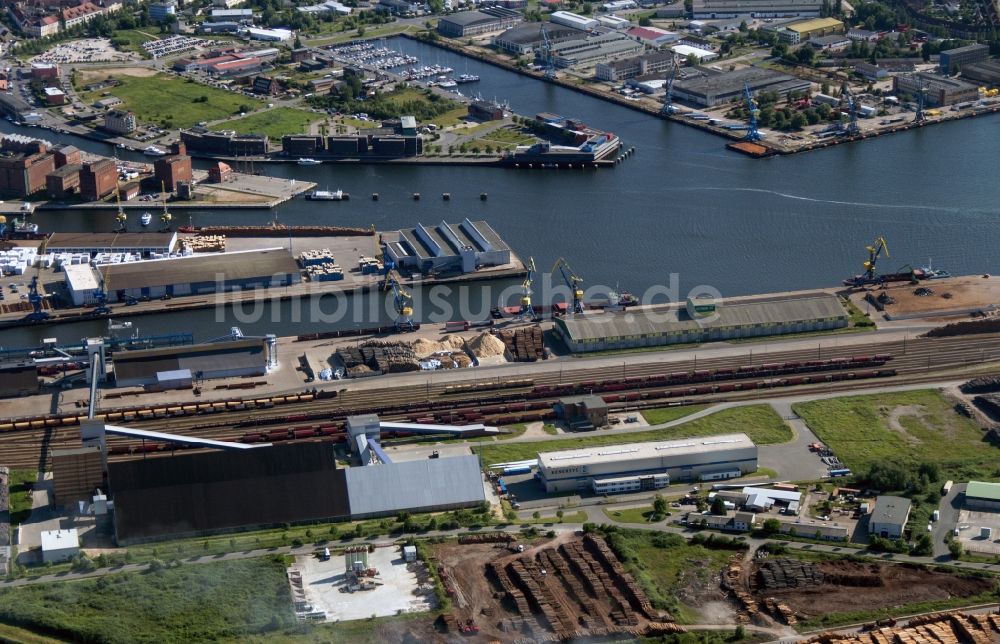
[105,72]
[815,589]
[916,411]
[560,588]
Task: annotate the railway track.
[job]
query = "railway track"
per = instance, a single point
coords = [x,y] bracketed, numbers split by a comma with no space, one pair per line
[915,361]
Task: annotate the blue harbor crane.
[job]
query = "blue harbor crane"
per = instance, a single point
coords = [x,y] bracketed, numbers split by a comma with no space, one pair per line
[550,67]
[572,281]
[36,299]
[403,304]
[753,134]
[527,311]
[852,112]
[921,100]
[668,98]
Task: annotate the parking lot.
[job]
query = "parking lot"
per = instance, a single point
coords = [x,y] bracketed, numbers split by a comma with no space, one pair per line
[86,50]
[399,587]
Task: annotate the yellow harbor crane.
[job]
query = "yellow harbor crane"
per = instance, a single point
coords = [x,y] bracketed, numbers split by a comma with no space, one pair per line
[572,281]
[874,252]
[527,310]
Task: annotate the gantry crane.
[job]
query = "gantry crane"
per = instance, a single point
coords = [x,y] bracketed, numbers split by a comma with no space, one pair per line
[403,304]
[753,134]
[166,217]
[852,111]
[572,281]
[527,310]
[121,217]
[668,98]
[550,67]
[921,100]
[869,276]
[35,298]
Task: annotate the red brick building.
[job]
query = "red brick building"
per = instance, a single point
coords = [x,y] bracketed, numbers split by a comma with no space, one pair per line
[98,179]
[169,170]
[219,172]
[66,155]
[63,181]
[23,171]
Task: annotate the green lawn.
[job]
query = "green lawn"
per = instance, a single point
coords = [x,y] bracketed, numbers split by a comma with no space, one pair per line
[274,122]
[666,414]
[19,485]
[906,428]
[641,514]
[134,40]
[759,422]
[568,517]
[856,617]
[192,603]
[550,429]
[165,99]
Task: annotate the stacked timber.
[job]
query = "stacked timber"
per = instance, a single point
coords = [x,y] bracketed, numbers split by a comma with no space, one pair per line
[205,244]
[524,344]
[379,357]
[789,573]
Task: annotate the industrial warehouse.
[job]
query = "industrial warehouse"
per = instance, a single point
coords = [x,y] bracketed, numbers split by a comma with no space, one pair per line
[176,367]
[145,244]
[702,320]
[197,274]
[446,247]
[241,486]
[615,469]
[715,88]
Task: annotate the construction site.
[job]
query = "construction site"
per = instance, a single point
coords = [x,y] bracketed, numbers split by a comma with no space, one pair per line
[787,591]
[566,588]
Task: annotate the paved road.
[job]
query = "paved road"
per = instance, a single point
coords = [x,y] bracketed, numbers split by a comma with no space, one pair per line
[949,508]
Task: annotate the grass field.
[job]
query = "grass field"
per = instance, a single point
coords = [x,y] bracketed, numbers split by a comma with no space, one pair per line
[19,485]
[274,123]
[907,428]
[856,617]
[167,99]
[641,514]
[135,39]
[667,414]
[759,422]
[208,602]
[506,139]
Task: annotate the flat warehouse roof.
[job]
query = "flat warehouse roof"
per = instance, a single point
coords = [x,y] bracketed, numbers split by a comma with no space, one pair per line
[637,451]
[240,354]
[981,490]
[661,320]
[389,488]
[110,240]
[200,269]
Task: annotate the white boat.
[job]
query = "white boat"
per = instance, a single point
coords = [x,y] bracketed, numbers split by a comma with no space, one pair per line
[21,226]
[308,161]
[327,195]
[153,151]
[447,83]
[931,273]
[146,219]
[467,78]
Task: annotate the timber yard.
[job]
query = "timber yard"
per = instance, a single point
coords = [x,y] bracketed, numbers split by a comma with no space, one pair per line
[354,403]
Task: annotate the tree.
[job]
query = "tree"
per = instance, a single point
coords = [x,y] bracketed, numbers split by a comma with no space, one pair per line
[924,546]
[536,514]
[645,21]
[718,506]
[806,55]
[559,515]
[772,526]
[956,549]
[660,504]
[743,26]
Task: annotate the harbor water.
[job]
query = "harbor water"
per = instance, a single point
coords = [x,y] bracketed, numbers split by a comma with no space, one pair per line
[681,205]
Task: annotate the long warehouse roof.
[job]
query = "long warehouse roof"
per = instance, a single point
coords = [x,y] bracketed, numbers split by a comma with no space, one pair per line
[637,451]
[981,490]
[638,322]
[239,354]
[207,268]
[411,485]
[110,240]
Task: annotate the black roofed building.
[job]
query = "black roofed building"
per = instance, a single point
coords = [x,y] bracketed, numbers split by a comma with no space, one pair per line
[18,380]
[193,494]
[460,247]
[203,361]
[471,23]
